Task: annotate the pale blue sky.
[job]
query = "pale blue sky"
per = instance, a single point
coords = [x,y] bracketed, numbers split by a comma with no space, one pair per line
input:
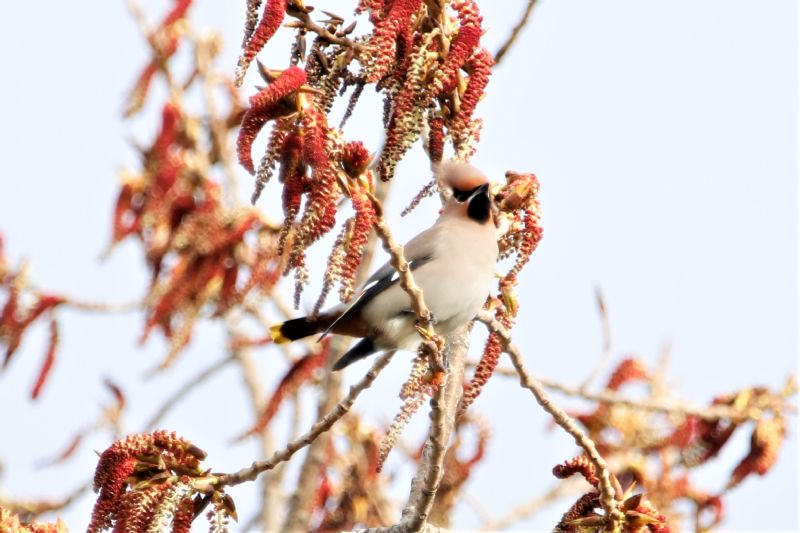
[664,135]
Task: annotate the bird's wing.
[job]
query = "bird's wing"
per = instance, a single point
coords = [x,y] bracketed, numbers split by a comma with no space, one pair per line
[417,252]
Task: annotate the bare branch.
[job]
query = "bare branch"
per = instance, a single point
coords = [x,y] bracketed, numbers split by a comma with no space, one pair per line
[30,509]
[312,26]
[255,391]
[156,47]
[605,324]
[187,387]
[321,426]
[206,49]
[444,406]
[503,50]
[103,307]
[713,412]
[298,514]
[400,528]
[608,497]
[568,487]
[398,261]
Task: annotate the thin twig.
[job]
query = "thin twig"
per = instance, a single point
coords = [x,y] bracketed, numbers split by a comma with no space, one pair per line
[255,390]
[400,264]
[608,498]
[713,412]
[299,509]
[501,52]
[273,496]
[187,387]
[298,515]
[103,307]
[312,26]
[28,510]
[605,324]
[206,50]
[526,510]
[321,426]
[144,27]
[477,507]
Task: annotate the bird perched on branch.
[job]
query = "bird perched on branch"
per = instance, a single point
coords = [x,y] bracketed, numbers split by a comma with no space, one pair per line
[453,262]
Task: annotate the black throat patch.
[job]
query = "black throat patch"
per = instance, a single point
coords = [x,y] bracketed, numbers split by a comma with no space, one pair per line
[479,207]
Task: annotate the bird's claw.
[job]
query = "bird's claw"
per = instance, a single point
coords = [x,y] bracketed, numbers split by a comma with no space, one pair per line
[425,327]
[433,347]
[424,332]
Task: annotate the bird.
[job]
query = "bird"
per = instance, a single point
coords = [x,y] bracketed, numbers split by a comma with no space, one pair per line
[453,262]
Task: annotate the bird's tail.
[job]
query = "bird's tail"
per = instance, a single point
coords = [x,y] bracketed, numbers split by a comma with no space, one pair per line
[360,350]
[299,328]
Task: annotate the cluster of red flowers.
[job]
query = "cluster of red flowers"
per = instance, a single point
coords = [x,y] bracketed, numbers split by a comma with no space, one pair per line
[355,160]
[23,307]
[195,246]
[422,383]
[417,55]
[301,139]
[520,213]
[422,70]
[350,492]
[638,514]
[204,255]
[256,36]
[164,41]
[348,249]
[152,481]
[658,453]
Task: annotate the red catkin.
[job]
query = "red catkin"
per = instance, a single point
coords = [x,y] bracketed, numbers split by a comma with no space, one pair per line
[271,20]
[49,359]
[264,107]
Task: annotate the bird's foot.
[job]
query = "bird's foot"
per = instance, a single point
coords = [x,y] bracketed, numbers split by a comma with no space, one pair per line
[424,332]
[425,327]
[433,349]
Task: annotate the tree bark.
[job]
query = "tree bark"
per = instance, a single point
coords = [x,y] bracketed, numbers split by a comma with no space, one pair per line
[444,407]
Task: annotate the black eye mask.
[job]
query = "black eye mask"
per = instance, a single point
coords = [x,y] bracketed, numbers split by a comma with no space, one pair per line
[463,196]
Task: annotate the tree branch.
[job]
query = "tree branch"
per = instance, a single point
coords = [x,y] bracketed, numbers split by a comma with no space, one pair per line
[568,487]
[298,514]
[187,387]
[102,307]
[444,406]
[713,412]
[407,283]
[297,517]
[321,426]
[608,497]
[605,324]
[503,50]
[308,24]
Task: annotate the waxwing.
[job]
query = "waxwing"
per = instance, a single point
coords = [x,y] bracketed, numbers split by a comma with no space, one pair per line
[453,262]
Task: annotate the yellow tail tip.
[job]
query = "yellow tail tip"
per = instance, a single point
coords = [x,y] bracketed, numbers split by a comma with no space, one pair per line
[275,333]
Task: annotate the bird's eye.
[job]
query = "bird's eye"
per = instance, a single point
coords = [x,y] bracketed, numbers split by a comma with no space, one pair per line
[461,196]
